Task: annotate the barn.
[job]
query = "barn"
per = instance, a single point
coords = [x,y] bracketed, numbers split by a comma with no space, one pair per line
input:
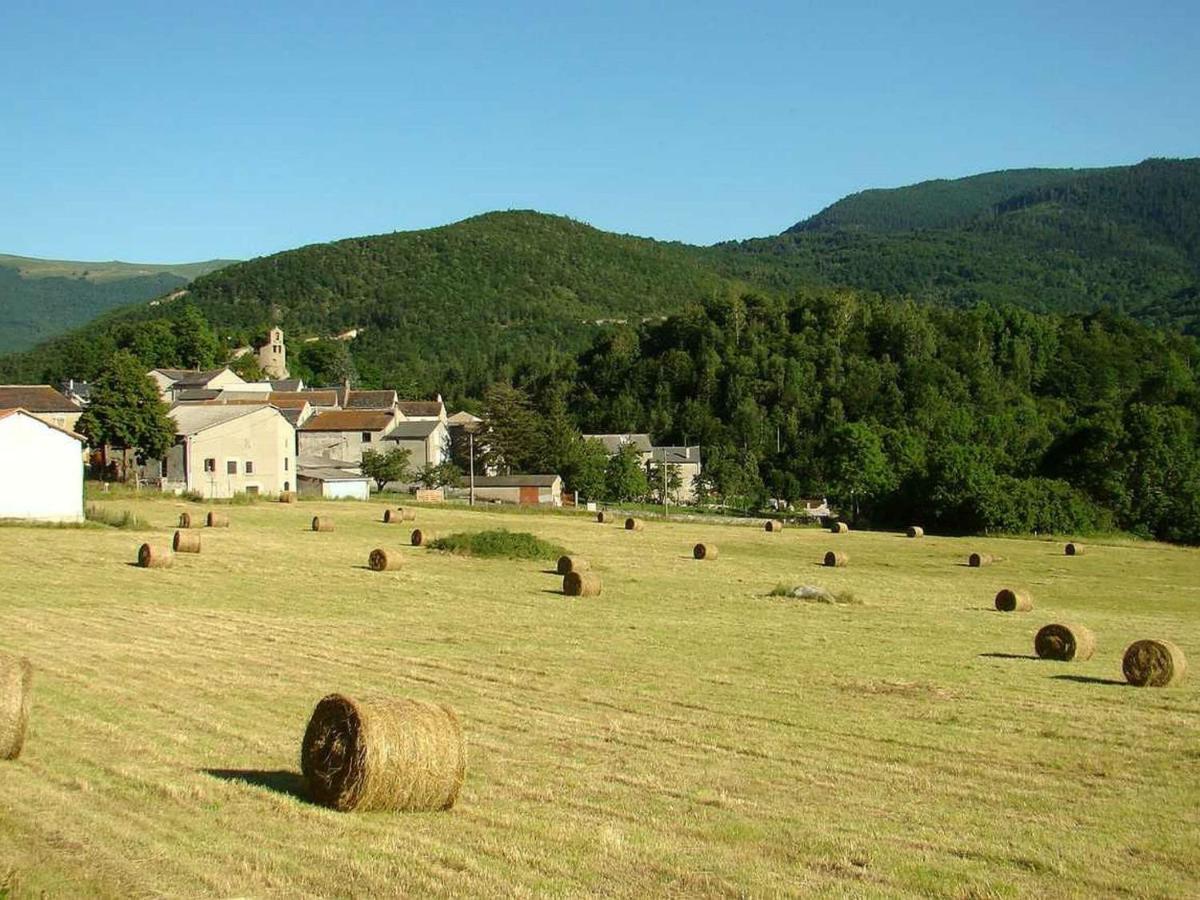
[522,489]
[42,474]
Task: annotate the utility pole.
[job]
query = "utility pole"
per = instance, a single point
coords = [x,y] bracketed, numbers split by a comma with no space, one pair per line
[471,454]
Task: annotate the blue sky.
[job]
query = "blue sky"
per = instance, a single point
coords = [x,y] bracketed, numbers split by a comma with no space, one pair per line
[138,131]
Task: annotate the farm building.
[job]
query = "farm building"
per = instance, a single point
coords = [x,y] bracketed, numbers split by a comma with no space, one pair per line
[42,475]
[222,450]
[522,489]
[171,383]
[428,441]
[333,484]
[344,433]
[43,402]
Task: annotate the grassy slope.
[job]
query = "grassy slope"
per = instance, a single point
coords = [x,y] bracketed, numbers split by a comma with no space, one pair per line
[682,732]
[40,298]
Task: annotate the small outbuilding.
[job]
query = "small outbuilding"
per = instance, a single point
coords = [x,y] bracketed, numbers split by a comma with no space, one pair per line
[522,489]
[334,484]
[41,477]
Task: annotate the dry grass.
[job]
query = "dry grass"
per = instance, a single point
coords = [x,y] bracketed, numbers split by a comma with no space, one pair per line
[683,733]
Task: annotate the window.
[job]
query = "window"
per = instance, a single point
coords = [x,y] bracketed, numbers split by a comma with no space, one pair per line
[210,465]
[285,464]
[252,490]
[366,437]
[231,467]
[249,467]
[163,468]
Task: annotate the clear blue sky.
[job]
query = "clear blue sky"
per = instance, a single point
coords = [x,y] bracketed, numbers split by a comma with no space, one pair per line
[151,132]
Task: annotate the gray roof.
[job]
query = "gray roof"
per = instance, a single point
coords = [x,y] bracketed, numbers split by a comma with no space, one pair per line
[412,431]
[515,480]
[287,384]
[192,418]
[612,442]
[330,475]
[181,378]
[676,454]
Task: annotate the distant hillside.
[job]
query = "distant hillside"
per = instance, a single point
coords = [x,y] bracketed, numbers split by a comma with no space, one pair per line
[40,298]
[1068,241]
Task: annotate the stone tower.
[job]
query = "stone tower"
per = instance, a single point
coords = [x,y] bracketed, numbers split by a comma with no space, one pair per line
[272,356]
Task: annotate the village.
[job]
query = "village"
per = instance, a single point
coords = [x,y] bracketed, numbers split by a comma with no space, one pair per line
[280,438]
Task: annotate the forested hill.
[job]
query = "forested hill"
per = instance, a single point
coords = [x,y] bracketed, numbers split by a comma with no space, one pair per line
[1049,240]
[40,298]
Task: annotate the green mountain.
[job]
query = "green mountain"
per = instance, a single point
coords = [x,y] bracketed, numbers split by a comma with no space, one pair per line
[454,307]
[40,298]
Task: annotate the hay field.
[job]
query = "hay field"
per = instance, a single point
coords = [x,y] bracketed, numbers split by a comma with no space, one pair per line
[683,733]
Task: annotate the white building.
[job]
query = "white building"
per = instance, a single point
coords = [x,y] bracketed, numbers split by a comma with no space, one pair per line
[41,469]
[225,450]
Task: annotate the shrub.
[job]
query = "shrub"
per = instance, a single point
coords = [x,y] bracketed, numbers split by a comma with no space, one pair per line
[115,518]
[498,544]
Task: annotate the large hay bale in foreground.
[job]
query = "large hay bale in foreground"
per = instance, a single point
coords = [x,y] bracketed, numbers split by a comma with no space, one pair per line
[152,556]
[418,538]
[1073,549]
[185,520]
[16,696]
[572,564]
[836,560]
[915,531]
[186,542]
[975,560]
[1064,642]
[1009,600]
[705,551]
[581,584]
[632,524]
[1152,663]
[604,517]
[218,520]
[322,523]
[839,528]
[383,754]
[380,560]
[773,525]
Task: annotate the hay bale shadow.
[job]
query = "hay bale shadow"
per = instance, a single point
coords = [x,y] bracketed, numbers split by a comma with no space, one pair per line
[1088,679]
[1011,655]
[550,571]
[281,781]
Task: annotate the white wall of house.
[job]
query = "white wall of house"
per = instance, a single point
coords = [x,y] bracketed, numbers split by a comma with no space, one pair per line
[254,453]
[41,471]
[347,446]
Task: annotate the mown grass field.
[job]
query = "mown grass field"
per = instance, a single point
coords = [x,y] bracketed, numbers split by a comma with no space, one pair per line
[683,733]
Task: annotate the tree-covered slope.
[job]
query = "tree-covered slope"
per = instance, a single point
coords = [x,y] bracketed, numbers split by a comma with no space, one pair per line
[40,298]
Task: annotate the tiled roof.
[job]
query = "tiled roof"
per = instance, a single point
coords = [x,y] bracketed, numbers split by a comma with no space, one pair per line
[39,398]
[370,400]
[348,420]
[316,398]
[411,431]
[421,407]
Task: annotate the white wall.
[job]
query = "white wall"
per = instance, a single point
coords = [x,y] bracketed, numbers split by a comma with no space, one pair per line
[41,472]
[339,490]
[264,438]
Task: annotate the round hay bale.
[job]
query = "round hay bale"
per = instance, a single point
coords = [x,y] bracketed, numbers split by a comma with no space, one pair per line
[185,520]
[186,542]
[380,560]
[1152,663]
[322,523]
[151,556]
[287,497]
[632,524]
[839,528]
[16,696]
[572,564]
[604,517]
[418,538]
[218,520]
[915,531]
[383,754]
[975,560]
[836,560]
[705,551]
[407,515]
[1064,642]
[1073,549]
[773,526]
[581,584]
[390,515]
[1009,600]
